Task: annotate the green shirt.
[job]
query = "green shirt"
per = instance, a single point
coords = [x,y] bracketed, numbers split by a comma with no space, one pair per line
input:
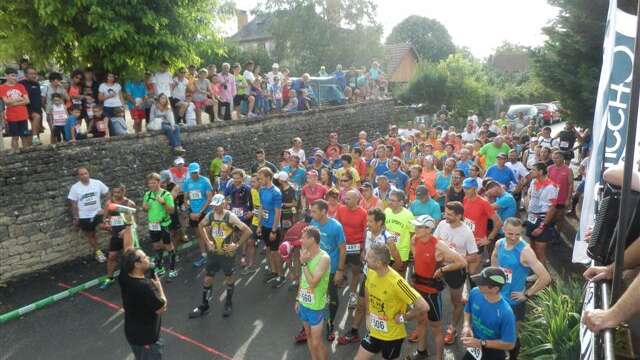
[490,152]
[157,212]
[400,225]
[241,85]
[314,298]
[215,167]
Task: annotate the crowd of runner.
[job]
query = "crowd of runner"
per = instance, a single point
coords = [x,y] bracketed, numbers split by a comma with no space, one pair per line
[395,219]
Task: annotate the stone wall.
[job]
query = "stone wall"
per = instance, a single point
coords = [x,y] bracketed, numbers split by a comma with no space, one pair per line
[35,221]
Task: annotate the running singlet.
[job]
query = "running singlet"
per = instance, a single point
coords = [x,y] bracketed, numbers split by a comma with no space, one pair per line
[255,198]
[158,215]
[388,296]
[426,266]
[509,261]
[380,167]
[400,225]
[221,231]
[314,298]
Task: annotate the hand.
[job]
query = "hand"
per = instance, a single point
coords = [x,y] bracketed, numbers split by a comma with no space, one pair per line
[518,296]
[597,320]
[438,273]
[597,273]
[537,231]
[194,216]
[160,199]
[259,231]
[305,255]
[482,241]
[471,342]
[230,247]
[296,307]
[466,332]
[337,278]
[272,236]
[156,282]
[399,318]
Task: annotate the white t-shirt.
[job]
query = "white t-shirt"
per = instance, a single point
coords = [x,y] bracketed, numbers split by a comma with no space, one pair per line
[180,88]
[88,197]
[190,114]
[543,197]
[248,75]
[383,238]
[299,153]
[460,239]
[162,82]
[469,136]
[106,90]
[519,170]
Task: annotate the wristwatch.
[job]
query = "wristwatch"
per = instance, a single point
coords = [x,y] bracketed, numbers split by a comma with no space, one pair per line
[483,343]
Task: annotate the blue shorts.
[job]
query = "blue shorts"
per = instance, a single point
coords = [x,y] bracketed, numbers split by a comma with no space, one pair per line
[311,317]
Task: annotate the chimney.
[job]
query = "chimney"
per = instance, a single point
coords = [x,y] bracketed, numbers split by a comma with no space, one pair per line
[242,17]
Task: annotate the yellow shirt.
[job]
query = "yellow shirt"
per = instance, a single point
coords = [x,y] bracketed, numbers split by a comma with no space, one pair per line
[255,197]
[400,225]
[388,296]
[354,175]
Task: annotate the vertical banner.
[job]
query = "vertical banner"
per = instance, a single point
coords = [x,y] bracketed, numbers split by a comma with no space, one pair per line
[611,116]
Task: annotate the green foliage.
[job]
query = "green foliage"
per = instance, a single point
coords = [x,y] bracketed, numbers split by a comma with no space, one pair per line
[459,81]
[428,36]
[234,54]
[551,328]
[306,38]
[118,35]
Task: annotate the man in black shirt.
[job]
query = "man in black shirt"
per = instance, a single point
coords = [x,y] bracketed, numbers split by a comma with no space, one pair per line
[31,84]
[143,301]
[261,162]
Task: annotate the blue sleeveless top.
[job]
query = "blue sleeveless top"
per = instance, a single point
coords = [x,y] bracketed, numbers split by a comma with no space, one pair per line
[509,261]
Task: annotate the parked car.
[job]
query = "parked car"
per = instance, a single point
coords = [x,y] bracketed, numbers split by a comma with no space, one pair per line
[529,112]
[548,112]
[325,91]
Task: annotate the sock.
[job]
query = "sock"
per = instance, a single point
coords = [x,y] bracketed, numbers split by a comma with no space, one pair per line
[172,260]
[204,254]
[421,352]
[230,288]
[206,296]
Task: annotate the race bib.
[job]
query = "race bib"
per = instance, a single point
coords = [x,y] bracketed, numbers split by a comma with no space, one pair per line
[287,224]
[532,218]
[116,221]
[378,323]
[217,233]
[564,144]
[195,195]
[353,248]
[154,227]
[237,212]
[475,352]
[306,296]
[89,199]
[509,274]
[470,224]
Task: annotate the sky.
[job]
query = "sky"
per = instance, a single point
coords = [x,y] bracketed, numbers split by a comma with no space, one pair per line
[480,25]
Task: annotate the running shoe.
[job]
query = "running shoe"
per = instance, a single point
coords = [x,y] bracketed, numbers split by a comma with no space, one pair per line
[269,277]
[280,280]
[331,334]
[349,338]
[36,141]
[201,260]
[301,337]
[159,271]
[198,311]
[173,274]
[450,336]
[106,283]
[413,337]
[353,300]
[228,309]
[100,256]
[249,270]
[419,355]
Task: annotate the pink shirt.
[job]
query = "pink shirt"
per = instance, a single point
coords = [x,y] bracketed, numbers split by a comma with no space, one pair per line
[226,95]
[313,193]
[561,176]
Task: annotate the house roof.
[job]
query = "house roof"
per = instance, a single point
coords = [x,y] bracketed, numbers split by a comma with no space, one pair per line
[394,54]
[256,29]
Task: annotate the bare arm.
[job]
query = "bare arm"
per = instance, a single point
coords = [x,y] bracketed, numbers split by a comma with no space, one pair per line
[497,225]
[528,258]
[455,261]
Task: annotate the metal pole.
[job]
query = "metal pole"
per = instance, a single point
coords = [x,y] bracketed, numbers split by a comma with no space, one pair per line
[625,203]
[608,351]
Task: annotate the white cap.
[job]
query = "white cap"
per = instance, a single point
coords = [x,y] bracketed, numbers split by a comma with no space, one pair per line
[424,220]
[178,161]
[282,176]
[275,65]
[217,200]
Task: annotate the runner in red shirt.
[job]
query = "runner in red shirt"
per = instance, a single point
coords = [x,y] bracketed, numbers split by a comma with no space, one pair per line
[312,190]
[432,257]
[16,99]
[354,222]
[477,212]
[561,175]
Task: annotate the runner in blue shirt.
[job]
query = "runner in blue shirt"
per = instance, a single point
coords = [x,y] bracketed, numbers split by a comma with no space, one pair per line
[332,241]
[517,260]
[501,173]
[505,203]
[489,323]
[396,176]
[425,205]
[198,193]
[269,230]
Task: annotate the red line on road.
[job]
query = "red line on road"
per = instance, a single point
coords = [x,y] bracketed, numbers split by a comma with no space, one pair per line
[164,329]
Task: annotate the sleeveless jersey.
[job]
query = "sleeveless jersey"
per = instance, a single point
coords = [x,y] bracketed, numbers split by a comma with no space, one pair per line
[509,261]
[314,298]
[221,232]
[426,266]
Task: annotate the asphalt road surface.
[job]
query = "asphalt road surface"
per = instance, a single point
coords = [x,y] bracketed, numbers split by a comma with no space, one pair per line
[90,324]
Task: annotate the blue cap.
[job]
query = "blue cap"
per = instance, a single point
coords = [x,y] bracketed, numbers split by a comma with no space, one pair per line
[227,159]
[194,167]
[469,183]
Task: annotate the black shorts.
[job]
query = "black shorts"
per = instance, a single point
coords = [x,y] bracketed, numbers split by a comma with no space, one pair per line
[272,245]
[353,260]
[519,310]
[116,242]
[18,128]
[547,234]
[560,206]
[163,234]
[174,102]
[455,279]
[435,305]
[32,111]
[487,354]
[390,349]
[194,223]
[217,262]
[237,99]
[89,224]
[175,221]
[59,133]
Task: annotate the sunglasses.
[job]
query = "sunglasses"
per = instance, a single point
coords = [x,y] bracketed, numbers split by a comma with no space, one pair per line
[345,180]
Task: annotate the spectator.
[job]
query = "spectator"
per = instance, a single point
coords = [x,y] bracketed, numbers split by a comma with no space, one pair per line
[110,95]
[161,112]
[340,77]
[72,129]
[227,91]
[54,87]
[201,94]
[30,82]
[118,122]
[99,123]
[162,80]
[59,118]
[75,90]
[190,115]
[136,94]
[179,87]
[90,86]
[15,98]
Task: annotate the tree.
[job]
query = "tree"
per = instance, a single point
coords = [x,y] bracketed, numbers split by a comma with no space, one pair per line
[459,81]
[117,35]
[308,34]
[428,36]
[569,62]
